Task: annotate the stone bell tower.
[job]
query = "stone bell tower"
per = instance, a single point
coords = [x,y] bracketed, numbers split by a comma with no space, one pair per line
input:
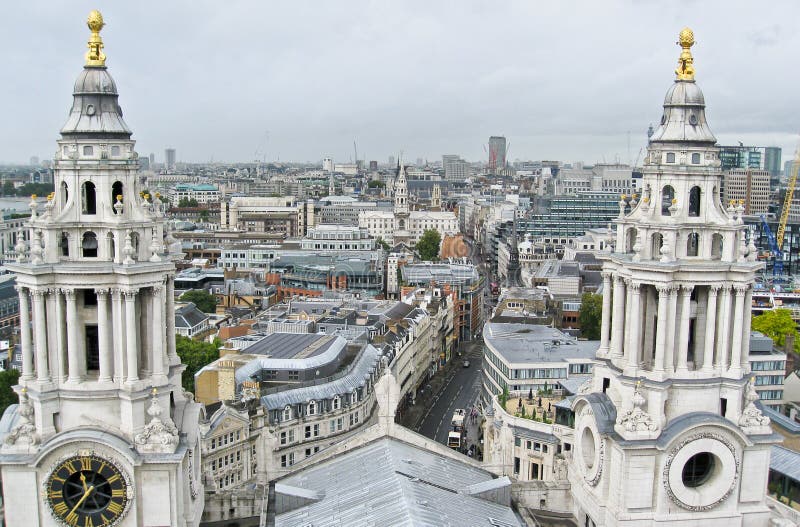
[668,433]
[100,375]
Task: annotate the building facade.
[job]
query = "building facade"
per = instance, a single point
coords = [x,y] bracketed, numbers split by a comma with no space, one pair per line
[667,430]
[751,187]
[104,433]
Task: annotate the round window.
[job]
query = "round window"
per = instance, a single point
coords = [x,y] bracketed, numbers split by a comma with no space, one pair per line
[698,469]
[693,119]
[587,447]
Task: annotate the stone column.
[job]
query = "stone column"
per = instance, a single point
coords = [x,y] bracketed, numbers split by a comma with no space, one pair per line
[635,325]
[740,290]
[118,335]
[61,334]
[748,305]
[103,337]
[661,328]
[626,339]
[672,320]
[606,320]
[25,332]
[170,316]
[683,337]
[618,321]
[74,373]
[157,342]
[711,329]
[132,333]
[724,327]
[40,335]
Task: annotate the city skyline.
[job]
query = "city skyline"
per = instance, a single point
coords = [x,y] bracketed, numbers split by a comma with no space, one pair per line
[425,80]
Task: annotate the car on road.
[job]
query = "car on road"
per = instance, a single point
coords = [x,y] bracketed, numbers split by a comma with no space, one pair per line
[466,364]
[454,440]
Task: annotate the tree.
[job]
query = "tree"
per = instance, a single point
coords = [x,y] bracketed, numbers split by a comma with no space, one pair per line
[428,245]
[186,202]
[204,215]
[195,354]
[777,324]
[40,189]
[8,189]
[8,379]
[205,301]
[590,315]
[380,242]
[376,183]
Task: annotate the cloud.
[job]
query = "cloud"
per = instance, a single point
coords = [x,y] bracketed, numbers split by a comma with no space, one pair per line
[573,80]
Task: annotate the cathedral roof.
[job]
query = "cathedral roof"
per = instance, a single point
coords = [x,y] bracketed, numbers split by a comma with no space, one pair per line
[95,109]
[684,118]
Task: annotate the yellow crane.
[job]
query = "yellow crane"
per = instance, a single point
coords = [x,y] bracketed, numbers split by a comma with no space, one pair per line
[787,200]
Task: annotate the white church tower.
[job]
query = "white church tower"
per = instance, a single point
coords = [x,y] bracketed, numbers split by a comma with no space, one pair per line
[668,433]
[104,434]
[402,215]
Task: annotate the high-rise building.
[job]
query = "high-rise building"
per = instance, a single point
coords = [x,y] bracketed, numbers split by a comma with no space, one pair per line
[373,166]
[169,159]
[327,164]
[497,153]
[751,187]
[104,433]
[772,161]
[391,161]
[455,168]
[667,429]
[152,159]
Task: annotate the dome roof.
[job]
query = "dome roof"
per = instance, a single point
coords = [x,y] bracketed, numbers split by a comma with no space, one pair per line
[684,118]
[95,110]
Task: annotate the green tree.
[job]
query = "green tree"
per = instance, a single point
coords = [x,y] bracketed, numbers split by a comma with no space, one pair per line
[8,379]
[376,183]
[205,301]
[195,354]
[428,245]
[8,189]
[204,215]
[186,202]
[590,315]
[777,324]
[40,189]
[382,244]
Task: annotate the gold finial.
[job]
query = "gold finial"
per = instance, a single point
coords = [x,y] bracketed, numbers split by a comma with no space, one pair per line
[154,392]
[95,55]
[685,70]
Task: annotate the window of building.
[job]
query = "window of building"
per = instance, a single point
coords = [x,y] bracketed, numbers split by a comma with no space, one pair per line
[667,195]
[308,431]
[695,158]
[694,201]
[670,157]
[88,150]
[64,244]
[89,245]
[312,408]
[283,438]
[115,151]
[88,192]
[287,413]
[294,375]
[337,402]
[516,465]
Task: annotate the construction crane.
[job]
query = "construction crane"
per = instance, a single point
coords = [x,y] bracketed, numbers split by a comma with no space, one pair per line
[774,247]
[787,200]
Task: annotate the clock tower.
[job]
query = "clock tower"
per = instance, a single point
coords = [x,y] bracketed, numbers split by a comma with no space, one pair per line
[667,432]
[103,434]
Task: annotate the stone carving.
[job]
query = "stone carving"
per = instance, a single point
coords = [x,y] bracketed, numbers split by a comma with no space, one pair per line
[671,457]
[21,247]
[157,436]
[128,251]
[192,483]
[24,432]
[752,420]
[601,455]
[156,246]
[636,419]
[36,247]
[561,468]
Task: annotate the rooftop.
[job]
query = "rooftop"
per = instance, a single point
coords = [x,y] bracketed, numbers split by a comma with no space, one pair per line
[528,343]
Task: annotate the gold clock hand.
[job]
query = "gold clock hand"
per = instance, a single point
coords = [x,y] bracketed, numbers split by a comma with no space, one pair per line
[83,481]
[83,498]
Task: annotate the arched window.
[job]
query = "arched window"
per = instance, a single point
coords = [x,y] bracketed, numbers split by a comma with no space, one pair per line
[116,191]
[64,193]
[657,240]
[694,201]
[354,397]
[716,246]
[630,239]
[89,198]
[64,244]
[312,408]
[692,244]
[287,413]
[337,402]
[667,195]
[89,245]
[670,157]
[695,158]
[135,244]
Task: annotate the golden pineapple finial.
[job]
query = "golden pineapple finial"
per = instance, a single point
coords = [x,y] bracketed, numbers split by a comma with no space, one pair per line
[685,69]
[95,55]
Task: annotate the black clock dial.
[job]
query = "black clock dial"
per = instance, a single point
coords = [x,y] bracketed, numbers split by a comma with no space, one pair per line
[87,491]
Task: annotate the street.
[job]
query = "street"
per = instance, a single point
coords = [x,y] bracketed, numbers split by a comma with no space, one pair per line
[460,390]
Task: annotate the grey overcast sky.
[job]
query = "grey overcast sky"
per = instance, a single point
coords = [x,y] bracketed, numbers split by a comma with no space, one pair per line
[298,80]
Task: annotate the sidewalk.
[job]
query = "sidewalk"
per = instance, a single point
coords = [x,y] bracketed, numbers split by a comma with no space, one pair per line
[413,415]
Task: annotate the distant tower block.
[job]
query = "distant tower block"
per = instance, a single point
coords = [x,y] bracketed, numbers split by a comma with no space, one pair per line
[169,159]
[497,153]
[327,164]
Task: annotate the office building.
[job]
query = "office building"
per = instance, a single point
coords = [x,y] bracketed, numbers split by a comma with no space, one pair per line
[169,159]
[750,186]
[455,168]
[497,153]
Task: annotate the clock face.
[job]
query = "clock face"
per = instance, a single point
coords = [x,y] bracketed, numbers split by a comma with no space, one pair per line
[87,491]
